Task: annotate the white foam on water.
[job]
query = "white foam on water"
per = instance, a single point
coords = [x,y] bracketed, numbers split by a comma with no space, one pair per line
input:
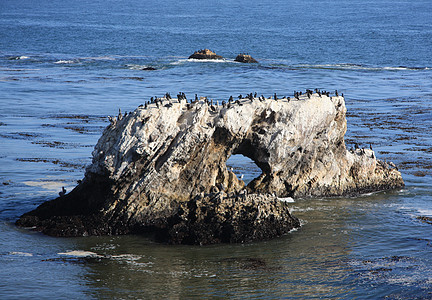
[178,62]
[348,66]
[287,199]
[131,257]
[64,62]
[295,229]
[137,67]
[194,60]
[425,212]
[302,209]
[79,253]
[209,60]
[18,253]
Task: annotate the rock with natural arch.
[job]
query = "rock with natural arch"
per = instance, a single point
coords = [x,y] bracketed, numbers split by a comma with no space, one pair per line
[162,168]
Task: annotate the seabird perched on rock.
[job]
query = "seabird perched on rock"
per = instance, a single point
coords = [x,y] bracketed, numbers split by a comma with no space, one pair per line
[120,116]
[391,164]
[62,192]
[112,120]
[336,93]
[275,96]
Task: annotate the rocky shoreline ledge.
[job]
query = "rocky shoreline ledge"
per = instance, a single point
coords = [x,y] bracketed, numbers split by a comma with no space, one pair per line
[162,169]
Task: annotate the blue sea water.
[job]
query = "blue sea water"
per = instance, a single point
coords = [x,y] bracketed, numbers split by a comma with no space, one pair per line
[66,65]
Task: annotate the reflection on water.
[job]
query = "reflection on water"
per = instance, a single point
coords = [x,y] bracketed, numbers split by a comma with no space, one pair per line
[310,261]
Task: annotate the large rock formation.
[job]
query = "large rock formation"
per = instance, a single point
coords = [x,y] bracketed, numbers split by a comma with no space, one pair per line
[163,168]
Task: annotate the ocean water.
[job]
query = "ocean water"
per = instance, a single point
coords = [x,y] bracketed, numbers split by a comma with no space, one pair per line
[66,65]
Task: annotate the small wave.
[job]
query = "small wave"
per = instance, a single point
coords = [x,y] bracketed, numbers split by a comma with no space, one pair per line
[129,257]
[18,253]
[302,209]
[65,62]
[211,60]
[180,61]
[18,57]
[351,66]
[425,212]
[140,67]
[287,199]
[79,253]
[193,60]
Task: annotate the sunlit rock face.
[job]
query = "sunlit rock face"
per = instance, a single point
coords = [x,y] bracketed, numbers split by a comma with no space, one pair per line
[163,168]
[205,54]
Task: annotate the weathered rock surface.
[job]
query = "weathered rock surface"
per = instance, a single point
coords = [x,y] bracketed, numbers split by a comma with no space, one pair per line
[205,54]
[245,58]
[162,168]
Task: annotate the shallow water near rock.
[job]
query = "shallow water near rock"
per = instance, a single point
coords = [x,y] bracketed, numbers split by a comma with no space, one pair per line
[57,89]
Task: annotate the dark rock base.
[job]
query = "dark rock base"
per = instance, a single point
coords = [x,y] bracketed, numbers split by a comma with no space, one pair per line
[216,218]
[211,219]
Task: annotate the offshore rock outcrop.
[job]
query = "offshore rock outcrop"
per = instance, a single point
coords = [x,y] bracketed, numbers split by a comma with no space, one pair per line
[245,58]
[162,168]
[205,54]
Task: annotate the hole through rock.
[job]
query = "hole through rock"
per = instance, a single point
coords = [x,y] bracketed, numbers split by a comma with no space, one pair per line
[243,165]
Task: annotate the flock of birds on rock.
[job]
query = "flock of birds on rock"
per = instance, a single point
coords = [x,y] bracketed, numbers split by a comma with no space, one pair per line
[214,104]
[167,101]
